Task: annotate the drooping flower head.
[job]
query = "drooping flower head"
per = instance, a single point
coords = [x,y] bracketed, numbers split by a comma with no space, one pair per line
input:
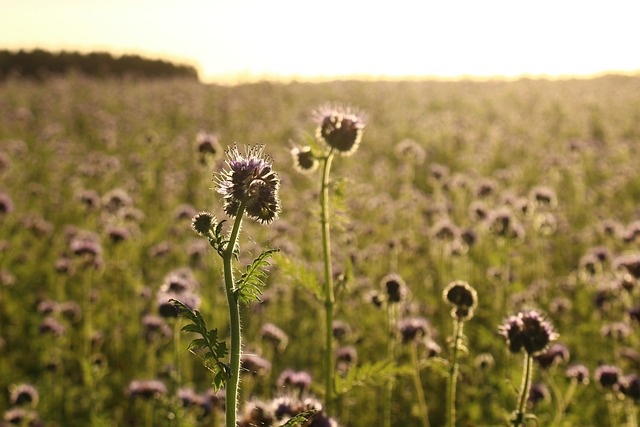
[340,128]
[250,180]
[528,330]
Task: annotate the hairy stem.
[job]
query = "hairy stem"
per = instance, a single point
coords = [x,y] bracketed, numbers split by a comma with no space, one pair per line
[524,390]
[417,382]
[234,319]
[453,374]
[329,298]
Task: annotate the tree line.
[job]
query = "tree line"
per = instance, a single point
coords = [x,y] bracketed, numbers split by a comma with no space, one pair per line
[40,64]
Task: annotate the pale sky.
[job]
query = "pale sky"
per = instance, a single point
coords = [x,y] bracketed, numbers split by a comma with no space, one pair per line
[251,39]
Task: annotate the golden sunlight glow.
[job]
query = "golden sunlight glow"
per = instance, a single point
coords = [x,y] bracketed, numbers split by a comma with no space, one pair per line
[252,39]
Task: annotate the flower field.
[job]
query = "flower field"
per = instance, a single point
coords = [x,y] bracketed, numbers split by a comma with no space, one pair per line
[444,253]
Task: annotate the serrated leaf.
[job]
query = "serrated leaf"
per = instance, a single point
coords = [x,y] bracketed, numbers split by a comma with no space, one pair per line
[249,285]
[191,328]
[207,347]
[301,275]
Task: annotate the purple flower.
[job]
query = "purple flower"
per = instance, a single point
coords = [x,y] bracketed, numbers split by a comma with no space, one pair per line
[527,330]
[608,376]
[250,181]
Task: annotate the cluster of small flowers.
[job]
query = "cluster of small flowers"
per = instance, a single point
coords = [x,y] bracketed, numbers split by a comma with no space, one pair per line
[299,380]
[528,330]
[611,379]
[25,397]
[57,315]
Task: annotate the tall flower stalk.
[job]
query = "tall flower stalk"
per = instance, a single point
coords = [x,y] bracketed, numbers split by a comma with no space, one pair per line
[528,331]
[464,300]
[340,129]
[329,297]
[249,187]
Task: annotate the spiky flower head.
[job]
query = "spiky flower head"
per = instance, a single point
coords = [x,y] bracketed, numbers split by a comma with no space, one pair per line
[462,297]
[528,330]
[204,223]
[304,160]
[340,128]
[250,181]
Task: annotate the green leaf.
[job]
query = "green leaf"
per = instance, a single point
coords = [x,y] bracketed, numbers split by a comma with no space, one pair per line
[301,418]
[207,347]
[249,285]
[301,275]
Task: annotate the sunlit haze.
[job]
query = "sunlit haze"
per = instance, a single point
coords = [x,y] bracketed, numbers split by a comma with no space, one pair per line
[254,39]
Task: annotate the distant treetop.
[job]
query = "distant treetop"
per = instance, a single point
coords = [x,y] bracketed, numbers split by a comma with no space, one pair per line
[40,64]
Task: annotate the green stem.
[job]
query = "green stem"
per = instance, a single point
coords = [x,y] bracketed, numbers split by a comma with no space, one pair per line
[560,405]
[632,416]
[234,320]
[391,316]
[417,382]
[611,406]
[328,287]
[453,374]
[524,390]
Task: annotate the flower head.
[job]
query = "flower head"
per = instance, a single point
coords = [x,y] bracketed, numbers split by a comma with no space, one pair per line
[608,376]
[304,160]
[250,181]
[203,223]
[340,128]
[394,287]
[580,373]
[528,330]
[463,298]
[413,329]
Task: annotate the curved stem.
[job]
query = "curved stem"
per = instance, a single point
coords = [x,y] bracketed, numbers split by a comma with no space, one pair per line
[524,390]
[453,374]
[422,402]
[329,298]
[234,320]
[560,405]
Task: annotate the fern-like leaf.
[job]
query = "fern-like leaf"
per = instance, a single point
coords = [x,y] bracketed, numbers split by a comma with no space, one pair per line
[249,286]
[367,374]
[301,275]
[207,347]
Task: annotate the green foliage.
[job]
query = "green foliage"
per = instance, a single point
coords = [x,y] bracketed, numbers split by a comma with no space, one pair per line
[208,347]
[372,374]
[300,274]
[300,419]
[249,286]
